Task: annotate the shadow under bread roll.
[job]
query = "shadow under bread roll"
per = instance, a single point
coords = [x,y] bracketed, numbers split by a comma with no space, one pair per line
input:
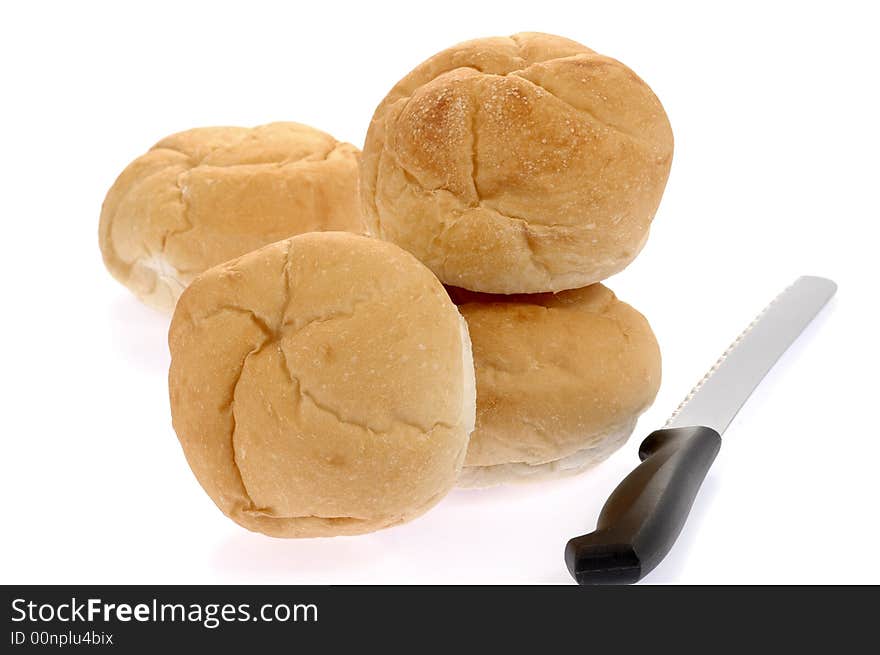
[561,380]
[201,197]
[322,385]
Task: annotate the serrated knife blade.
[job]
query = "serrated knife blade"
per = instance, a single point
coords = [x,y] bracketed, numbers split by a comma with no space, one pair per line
[718,397]
[644,515]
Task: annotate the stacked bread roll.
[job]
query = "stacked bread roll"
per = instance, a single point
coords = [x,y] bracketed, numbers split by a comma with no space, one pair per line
[529,165]
[454,331]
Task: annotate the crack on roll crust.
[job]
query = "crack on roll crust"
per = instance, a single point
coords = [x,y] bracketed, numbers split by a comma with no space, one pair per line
[258,320]
[310,158]
[305,394]
[581,110]
[479,203]
[518,43]
[268,336]
[248,134]
[529,239]
[288,283]
[251,506]
[420,188]
[188,225]
[543,366]
[449,221]
[164,145]
[474,150]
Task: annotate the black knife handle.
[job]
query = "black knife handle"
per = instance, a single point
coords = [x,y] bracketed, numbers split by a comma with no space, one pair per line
[643,517]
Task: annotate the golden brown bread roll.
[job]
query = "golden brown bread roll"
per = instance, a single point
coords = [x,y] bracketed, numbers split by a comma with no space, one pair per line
[201,197]
[561,380]
[321,386]
[517,165]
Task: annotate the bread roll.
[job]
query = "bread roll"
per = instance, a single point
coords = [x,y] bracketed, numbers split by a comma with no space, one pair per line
[321,386]
[201,197]
[517,165]
[561,380]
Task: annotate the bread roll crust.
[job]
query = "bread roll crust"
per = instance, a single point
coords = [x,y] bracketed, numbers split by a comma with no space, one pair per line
[517,165]
[207,195]
[321,386]
[561,379]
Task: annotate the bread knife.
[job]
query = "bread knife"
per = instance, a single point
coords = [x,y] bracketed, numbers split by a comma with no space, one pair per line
[644,515]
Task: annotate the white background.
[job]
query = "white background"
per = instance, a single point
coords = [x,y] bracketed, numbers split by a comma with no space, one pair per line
[775,112]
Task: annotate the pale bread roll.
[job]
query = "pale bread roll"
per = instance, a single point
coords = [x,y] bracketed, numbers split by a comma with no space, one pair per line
[517,165]
[321,386]
[561,380]
[201,197]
